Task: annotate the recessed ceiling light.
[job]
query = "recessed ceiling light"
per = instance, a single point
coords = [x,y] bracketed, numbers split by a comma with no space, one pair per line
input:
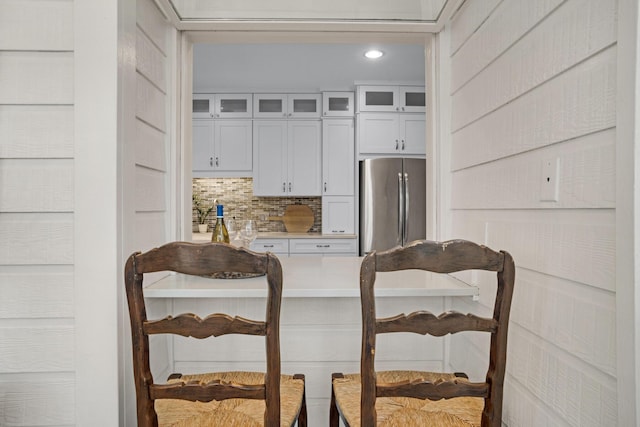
[373,54]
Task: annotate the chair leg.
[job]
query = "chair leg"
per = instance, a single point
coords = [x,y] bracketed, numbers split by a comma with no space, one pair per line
[302,416]
[334,416]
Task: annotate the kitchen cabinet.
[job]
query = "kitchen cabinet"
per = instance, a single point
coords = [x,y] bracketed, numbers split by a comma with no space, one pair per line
[338,215]
[337,104]
[287,158]
[391,133]
[222,106]
[407,99]
[338,157]
[290,106]
[322,247]
[221,146]
[276,246]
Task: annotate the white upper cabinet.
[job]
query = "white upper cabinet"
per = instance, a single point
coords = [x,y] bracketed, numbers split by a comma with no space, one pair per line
[338,157]
[222,106]
[391,133]
[220,147]
[337,104]
[287,106]
[287,158]
[408,99]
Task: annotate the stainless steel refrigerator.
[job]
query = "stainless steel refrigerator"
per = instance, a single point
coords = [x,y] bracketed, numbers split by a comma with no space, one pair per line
[392,202]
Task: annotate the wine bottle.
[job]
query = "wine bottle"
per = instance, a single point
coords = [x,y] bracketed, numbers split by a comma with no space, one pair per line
[220,233]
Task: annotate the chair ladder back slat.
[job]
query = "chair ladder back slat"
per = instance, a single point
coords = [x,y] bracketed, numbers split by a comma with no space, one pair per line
[440,257]
[215,325]
[199,259]
[434,391]
[424,322]
[215,390]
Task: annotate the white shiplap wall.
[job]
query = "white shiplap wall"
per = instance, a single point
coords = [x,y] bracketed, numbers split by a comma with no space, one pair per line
[37,366]
[531,81]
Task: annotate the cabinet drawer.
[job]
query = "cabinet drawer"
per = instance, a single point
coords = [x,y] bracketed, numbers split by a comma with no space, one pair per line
[277,246]
[322,246]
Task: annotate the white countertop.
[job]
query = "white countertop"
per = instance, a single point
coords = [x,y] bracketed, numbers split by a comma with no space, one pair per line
[206,237]
[314,277]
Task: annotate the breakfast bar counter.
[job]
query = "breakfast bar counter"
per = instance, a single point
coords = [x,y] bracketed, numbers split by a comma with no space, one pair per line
[314,277]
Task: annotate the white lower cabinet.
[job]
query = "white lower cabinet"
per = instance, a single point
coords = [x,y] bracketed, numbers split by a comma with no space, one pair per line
[323,247]
[338,215]
[276,246]
[306,246]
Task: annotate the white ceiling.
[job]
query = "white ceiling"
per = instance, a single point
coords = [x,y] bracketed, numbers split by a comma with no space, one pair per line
[288,67]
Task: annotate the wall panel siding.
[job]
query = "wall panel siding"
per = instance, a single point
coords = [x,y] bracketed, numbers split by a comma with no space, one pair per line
[152,23]
[36,77]
[36,25]
[150,147]
[586,178]
[575,103]
[471,15]
[37,331]
[150,60]
[150,103]
[36,346]
[574,32]
[36,131]
[509,22]
[36,238]
[533,83]
[49,183]
[36,292]
[37,400]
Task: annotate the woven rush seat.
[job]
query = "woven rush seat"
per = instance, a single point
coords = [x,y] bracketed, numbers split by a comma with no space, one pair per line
[408,412]
[230,412]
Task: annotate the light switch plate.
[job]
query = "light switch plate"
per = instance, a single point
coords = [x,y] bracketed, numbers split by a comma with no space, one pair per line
[549,182]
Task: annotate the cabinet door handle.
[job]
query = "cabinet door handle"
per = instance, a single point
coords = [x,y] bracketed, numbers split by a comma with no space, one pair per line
[267,246]
[210,161]
[289,187]
[217,162]
[217,115]
[396,144]
[337,231]
[325,187]
[402,108]
[284,187]
[403,144]
[323,246]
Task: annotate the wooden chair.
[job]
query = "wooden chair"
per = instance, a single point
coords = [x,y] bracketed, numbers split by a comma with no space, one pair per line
[411,398]
[223,398]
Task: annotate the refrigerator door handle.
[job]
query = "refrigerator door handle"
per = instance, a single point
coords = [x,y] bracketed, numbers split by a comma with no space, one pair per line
[405,221]
[401,202]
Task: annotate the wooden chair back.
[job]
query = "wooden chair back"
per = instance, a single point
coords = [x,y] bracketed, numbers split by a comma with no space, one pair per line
[203,259]
[439,257]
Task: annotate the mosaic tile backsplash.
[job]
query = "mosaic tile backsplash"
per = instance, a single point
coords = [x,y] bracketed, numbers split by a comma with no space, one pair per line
[236,194]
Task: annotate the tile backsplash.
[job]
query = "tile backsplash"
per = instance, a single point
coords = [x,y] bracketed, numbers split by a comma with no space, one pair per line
[236,194]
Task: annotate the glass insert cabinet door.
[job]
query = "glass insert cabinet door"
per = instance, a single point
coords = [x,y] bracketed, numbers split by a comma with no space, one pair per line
[218,106]
[408,99]
[270,105]
[337,104]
